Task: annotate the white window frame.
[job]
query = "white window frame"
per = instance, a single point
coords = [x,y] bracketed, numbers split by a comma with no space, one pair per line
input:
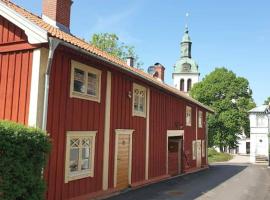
[85,173]
[194,149]
[87,69]
[260,120]
[203,148]
[188,116]
[136,112]
[200,120]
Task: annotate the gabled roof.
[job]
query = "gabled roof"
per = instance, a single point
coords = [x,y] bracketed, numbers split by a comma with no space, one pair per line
[86,47]
[259,109]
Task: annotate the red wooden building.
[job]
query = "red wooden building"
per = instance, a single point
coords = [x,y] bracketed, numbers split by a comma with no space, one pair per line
[112,125]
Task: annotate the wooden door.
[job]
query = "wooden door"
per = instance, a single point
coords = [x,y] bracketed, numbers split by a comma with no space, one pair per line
[123,161]
[199,153]
[173,157]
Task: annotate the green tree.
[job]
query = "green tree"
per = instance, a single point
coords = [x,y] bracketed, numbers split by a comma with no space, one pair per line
[231,99]
[110,43]
[267,101]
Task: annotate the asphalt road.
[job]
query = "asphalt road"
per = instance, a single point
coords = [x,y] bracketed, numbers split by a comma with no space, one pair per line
[234,181]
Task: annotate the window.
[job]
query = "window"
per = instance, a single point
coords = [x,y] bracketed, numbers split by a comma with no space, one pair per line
[188,116]
[189,84]
[139,100]
[80,151]
[200,119]
[182,85]
[261,121]
[194,149]
[85,82]
[203,148]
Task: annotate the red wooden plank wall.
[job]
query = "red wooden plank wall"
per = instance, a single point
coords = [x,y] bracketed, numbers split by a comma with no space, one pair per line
[121,118]
[15,82]
[72,114]
[15,75]
[10,33]
[166,113]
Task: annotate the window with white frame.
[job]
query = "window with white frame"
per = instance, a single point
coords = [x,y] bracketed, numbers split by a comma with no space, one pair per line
[261,122]
[85,82]
[194,149]
[200,119]
[139,100]
[188,116]
[203,148]
[80,152]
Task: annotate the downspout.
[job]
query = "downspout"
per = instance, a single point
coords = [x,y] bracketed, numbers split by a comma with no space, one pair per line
[53,44]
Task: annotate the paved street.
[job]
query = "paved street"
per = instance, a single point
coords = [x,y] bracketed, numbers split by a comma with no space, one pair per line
[234,180]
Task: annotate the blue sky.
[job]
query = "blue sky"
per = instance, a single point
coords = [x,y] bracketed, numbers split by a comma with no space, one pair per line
[234,34]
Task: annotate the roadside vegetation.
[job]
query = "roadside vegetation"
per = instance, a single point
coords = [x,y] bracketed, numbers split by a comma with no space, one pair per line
[230,97]
[23,155]
[214,156]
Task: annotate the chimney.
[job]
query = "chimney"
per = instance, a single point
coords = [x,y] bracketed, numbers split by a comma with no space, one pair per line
[130,61]
[160,69]
[57,13]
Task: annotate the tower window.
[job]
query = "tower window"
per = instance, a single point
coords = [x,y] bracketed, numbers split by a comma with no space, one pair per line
[189,83]
[182,84]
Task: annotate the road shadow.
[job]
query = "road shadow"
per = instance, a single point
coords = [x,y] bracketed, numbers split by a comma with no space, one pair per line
[186,187]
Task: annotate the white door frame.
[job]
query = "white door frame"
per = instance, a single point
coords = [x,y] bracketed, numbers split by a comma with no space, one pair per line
[117,133]
[172,133]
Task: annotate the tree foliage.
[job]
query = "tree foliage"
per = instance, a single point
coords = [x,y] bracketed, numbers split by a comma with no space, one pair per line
[231,99]
[267,101]
[110,43]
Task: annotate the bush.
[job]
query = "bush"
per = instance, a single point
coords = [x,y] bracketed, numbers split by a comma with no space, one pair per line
[23,153]
[214,156]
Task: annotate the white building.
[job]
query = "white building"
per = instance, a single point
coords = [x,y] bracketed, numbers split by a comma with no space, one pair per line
[243,146]
[186,71]
[259,134]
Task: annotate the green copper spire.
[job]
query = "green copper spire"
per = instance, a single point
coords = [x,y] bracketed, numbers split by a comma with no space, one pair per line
[186,64]
[186,37]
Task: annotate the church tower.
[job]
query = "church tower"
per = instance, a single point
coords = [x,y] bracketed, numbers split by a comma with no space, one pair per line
[186,71]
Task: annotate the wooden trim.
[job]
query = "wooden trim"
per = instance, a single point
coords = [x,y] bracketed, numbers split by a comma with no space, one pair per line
[35,33]
[147,136]
[17,47]
[196,123]
[86,173]
[203,148]
[206,144]
[194,149]
[172,133]
[107,133]
[86,69]
[117,133]
[33,104]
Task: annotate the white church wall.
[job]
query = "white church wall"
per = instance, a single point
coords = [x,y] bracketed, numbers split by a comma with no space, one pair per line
[177,77]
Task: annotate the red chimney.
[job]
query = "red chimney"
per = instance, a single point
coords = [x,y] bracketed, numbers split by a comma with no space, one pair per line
[160,69]
[57,13]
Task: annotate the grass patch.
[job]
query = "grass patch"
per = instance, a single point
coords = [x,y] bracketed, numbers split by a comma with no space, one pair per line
[214,156]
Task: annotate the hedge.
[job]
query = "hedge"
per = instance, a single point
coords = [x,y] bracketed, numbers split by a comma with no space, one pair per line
[23,155]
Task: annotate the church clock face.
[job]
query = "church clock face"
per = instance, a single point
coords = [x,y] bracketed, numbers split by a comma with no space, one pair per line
[186,67]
